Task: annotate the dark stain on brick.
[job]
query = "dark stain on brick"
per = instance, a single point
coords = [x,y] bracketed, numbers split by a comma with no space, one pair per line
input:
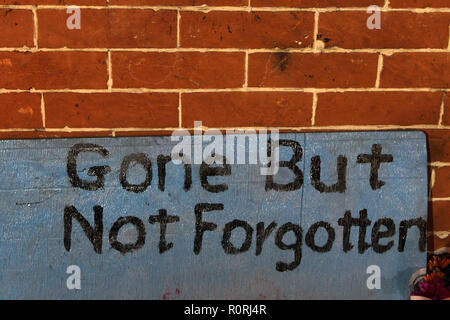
[282,59]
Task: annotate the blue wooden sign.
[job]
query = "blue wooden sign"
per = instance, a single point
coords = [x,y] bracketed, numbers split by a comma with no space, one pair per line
[344,217]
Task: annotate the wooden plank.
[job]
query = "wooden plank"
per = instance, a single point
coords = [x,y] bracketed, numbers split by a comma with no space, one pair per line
[304,243]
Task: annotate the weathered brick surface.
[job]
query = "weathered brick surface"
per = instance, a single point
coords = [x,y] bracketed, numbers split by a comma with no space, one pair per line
[145,67]
[178,70]
[446,115]
[115,28]
[316,3]
[441,187]
[435,243]
[17,28]
[378,108]
[416,70]
[260,109]
[440,215]
[53,70]
[20,110]
[144,133]
[180,2]
[55,2]
[439,145]
[40,134]
[419,3]
[312,70]
[232,29]
[116,110]
[415,27]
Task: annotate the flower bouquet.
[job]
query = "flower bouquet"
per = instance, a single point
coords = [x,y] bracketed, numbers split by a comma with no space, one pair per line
[435,283]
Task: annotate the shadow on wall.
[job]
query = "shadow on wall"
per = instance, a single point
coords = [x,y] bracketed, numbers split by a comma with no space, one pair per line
[435,244]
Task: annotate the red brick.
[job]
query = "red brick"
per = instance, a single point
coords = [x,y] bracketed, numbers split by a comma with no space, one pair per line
[416,70]
[53,70]
[180,2]
[109,28]
[129,2]
[439,218]
[246,109]
[233,29]
[143,133]
[419,3]
[20,110]
[17,28]
[441,188]
[326,70]
[378,108]
[178,70]
[316,3]
[410,30]
[438,145]
[111,110]
[436,243]
[56,2]
[446,116]
[40,134]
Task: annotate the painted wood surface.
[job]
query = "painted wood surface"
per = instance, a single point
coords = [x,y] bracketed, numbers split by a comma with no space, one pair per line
[38,203]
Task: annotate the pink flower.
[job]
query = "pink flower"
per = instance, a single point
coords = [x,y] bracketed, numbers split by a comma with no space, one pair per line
[434,290]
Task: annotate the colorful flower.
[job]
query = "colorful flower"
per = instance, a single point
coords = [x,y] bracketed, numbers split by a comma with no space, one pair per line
[435,285]
[435,274]
[434,290]
[438,262]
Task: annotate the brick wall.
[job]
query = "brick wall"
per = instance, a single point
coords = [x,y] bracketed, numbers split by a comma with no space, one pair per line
[141,67]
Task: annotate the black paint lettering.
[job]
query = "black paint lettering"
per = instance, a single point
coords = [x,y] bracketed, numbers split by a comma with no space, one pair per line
[228,247]
[162,161]
[129,247]
[187,177]
[375,159]
[200,226]
[262,234]
[311,234]
[142,159]
[94,235]
[339,186]
[99,171]
[163,219]
[296,246]
[208,171]
[421,224]
[347,222]
[291,164]
[363,222]
[377,235]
